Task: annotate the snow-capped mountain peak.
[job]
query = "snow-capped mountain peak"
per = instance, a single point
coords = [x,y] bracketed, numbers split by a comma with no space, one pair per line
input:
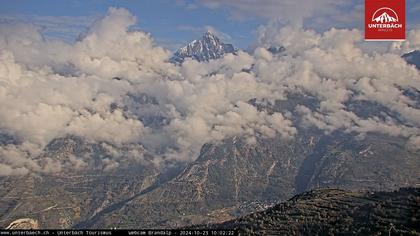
[413,58]
[206,48]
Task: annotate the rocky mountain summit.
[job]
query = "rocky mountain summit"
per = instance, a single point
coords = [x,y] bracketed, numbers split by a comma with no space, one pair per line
[413,58]
[207,48]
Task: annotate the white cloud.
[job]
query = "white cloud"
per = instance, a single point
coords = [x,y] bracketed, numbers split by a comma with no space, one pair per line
[50,89]
[334,68]
[66,28]
[6,170]
[412,43]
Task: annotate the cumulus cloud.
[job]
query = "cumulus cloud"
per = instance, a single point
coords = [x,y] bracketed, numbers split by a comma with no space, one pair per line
[50,89]
[6,170]
[115,86]
[91,88]
[67,28]
[335,68]
[412,43]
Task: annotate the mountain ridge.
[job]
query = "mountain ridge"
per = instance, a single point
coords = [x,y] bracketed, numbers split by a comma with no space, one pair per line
[208,47]
[413,58]
[335,212]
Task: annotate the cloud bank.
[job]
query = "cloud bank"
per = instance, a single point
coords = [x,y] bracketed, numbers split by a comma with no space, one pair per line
[114,85]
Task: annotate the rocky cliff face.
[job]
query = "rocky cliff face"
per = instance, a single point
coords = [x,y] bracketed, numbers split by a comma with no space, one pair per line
[26,223]
[62,199]
[413,58]
[207,48]
[228,176]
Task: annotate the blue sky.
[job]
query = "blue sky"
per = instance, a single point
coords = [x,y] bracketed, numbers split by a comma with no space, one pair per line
[173,23]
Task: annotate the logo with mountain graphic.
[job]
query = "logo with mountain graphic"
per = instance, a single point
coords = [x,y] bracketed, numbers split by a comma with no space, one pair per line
[385,15]
[384,20]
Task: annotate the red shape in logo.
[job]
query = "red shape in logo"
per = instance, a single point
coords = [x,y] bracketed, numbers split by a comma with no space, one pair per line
[384,20]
